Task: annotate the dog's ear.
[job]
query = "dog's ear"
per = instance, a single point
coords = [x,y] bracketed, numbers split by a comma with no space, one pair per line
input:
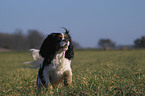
[47,49]
[70,52]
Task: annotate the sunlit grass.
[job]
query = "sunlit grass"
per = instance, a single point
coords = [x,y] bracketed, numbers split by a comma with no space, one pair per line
[101,73]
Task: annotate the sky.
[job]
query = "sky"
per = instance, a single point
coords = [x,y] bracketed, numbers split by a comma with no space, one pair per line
[122,21]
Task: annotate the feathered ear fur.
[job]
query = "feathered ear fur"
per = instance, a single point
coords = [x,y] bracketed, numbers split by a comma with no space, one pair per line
[47,49]
[70,52]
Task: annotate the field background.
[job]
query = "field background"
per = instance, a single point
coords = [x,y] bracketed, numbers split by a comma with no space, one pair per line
[101,73]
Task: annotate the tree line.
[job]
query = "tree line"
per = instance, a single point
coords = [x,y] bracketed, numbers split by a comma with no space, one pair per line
[107,44]
[20,41]
[34,39]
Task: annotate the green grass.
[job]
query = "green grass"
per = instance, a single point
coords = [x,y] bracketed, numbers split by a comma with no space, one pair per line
[101,73]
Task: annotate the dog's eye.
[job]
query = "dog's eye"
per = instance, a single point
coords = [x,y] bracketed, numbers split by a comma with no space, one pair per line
[60,36]
[65,36]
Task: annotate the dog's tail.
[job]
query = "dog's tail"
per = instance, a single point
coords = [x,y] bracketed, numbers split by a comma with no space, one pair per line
[37,59]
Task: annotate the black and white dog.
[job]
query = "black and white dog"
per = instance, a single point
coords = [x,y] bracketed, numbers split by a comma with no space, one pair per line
[57,51]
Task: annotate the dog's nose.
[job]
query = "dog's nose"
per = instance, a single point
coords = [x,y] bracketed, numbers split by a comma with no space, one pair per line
[64,40]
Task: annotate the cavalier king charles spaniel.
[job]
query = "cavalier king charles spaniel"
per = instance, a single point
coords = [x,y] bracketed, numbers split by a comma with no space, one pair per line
[57,51]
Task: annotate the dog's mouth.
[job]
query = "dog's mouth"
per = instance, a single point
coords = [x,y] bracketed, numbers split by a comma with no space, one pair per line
[65,46]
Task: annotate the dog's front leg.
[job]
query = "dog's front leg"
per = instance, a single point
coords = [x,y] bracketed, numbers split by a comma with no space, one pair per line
[42,80]
[41,83]
[67,78]
[38,84]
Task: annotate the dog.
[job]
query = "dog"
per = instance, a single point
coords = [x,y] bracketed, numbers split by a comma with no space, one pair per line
[57,51]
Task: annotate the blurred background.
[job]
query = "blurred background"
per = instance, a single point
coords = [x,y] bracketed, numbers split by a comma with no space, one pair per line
[101,24]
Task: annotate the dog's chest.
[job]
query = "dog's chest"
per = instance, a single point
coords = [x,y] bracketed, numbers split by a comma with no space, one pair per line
[58,59]
[60,63]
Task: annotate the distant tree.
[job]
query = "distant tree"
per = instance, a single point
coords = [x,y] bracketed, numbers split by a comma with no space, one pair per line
[35,39]
[5,40]
[106,44]
[19,41]
[140,42]
[76,45]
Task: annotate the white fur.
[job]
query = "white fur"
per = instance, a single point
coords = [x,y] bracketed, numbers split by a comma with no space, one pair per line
[36,57]
[62,36]
[58,66]
[46,76]
[63,43]
[35,54]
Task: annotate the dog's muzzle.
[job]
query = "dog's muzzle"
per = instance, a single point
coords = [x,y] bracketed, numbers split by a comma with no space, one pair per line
[64,44]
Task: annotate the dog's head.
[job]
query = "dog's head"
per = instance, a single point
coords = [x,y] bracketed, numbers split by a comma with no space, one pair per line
[56,42]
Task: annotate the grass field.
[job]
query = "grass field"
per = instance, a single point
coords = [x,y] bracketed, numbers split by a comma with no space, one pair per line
[95,73]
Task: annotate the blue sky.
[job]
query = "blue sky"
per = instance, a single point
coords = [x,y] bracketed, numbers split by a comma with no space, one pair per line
[88,20]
